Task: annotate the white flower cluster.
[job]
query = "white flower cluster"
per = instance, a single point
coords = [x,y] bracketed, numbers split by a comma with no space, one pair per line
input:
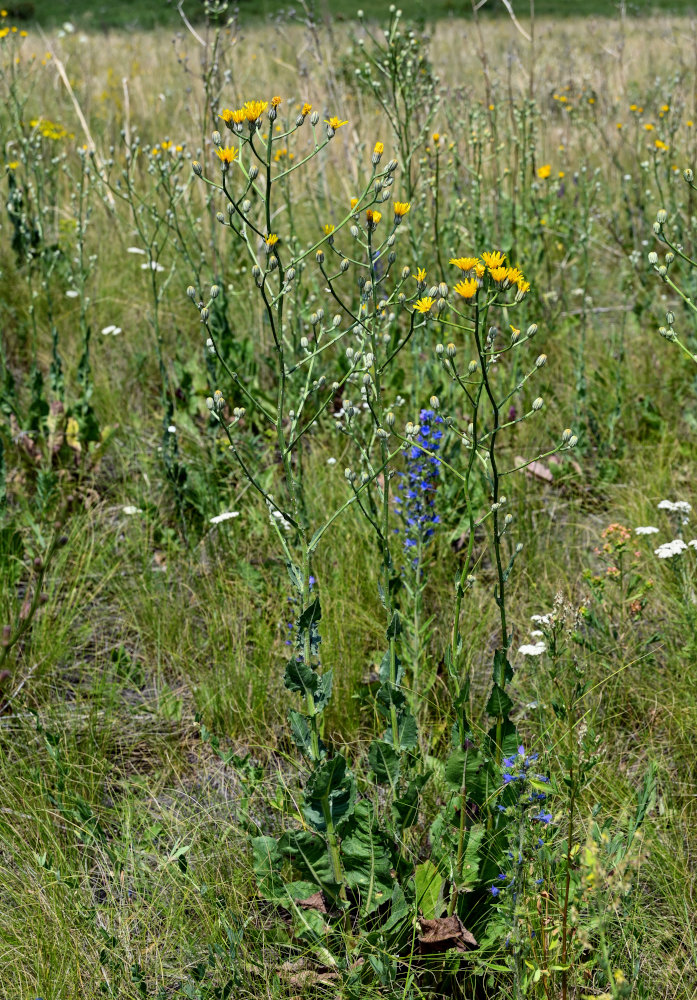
[227,515]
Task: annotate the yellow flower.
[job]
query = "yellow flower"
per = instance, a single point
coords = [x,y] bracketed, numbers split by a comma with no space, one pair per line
[498,274]
[328,230]
[665,107]
[227,115]
[495,259]
[166,144]
[227,155]
[24,34]
[464,263]
[689,124]
[632,107]
[619,124]
[523,286]
[659,144]
[436,136]
[420,274]
[12,165]
[379,149]
[544,171]
[373,218]
[354,202]
[561,174]
[306,109]
[514,275]
[424,305]
[271,240]
[4,31]
[275,101]
[401,208]
[334,122]
[479,269]
[253,110]
[468,288]
[3,13]
[649,127]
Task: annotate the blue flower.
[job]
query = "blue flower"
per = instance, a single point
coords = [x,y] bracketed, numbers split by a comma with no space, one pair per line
[543,817]
[416,504]
[494,890]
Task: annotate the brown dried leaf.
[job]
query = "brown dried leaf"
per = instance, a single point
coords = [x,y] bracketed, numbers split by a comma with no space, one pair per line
[314,902]
[536,470]
[444,933]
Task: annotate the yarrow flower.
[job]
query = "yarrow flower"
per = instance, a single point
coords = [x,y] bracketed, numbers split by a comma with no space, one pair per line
[417,491]
[532,649]
[646,530]
[227,515]
[670,549]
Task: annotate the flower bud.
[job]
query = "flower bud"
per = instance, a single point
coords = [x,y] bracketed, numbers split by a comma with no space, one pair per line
[409,429]
[217,139]
[253,172]
[439,350]
[670,257]
[435,403]
[538,403]
[688,175]
[215,291]
[314,118]
[653,258]
[661,216]
[450,350]
[246,205]
[573,441]
[290,274]
[304,342]
[472,367]
[336,322]
[541,361]
[191,292]
[220,217]
[443,290]
[354,232]
[389,419]
[319,256]
[197,168]
[344,266]
[656,228]
[204,315]
[566,434]
[256,271]
[670,318]
[405,273]
[531,330]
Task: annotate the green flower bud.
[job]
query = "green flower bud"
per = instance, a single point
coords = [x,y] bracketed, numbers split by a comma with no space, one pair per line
[538,403]
[197,168]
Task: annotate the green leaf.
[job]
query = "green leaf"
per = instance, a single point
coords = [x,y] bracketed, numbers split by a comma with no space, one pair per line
[331,789]
[267,865]
[366,854]
[309,622]
[394,629]
[300,676]
[384,761]
[323,692]
[327,777]
[471,857]
[503,671]
[428,881]
[309,854]
[499,704]
[405,807]
[300,731]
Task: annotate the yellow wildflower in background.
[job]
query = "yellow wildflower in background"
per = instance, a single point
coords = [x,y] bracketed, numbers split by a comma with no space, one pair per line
[227,155]
[468,288]
[424,305]
[464,263]
[544,171]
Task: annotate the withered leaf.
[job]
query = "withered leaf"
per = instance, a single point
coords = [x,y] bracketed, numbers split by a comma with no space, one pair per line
[314,902]
[444,933]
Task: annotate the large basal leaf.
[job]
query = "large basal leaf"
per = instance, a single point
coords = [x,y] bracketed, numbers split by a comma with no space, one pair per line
[309,855]
[384,762]
[300,676]
[330,789]
[405,807]
[366,854]
[267,866]
[471,857]
[428,882]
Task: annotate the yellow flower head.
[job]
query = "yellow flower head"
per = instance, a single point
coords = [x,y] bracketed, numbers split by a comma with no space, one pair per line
[499,274]
[379,149]
[420,274]
[401,208]
[468,288]
[514,275]
[523,286]
[479,269]
[354,202]
[328,230]
[227,115]
[12,165]
[544,171]
[436,136]
[306,109]
[659,144]
[253,110]
[227,155]
[464,263]
[271,240]
[334,123]
[649,127]
[373,218]
[424,305]
[275,101]
[494,259]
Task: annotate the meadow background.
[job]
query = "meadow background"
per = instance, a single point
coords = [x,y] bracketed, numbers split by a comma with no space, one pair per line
[124,861]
